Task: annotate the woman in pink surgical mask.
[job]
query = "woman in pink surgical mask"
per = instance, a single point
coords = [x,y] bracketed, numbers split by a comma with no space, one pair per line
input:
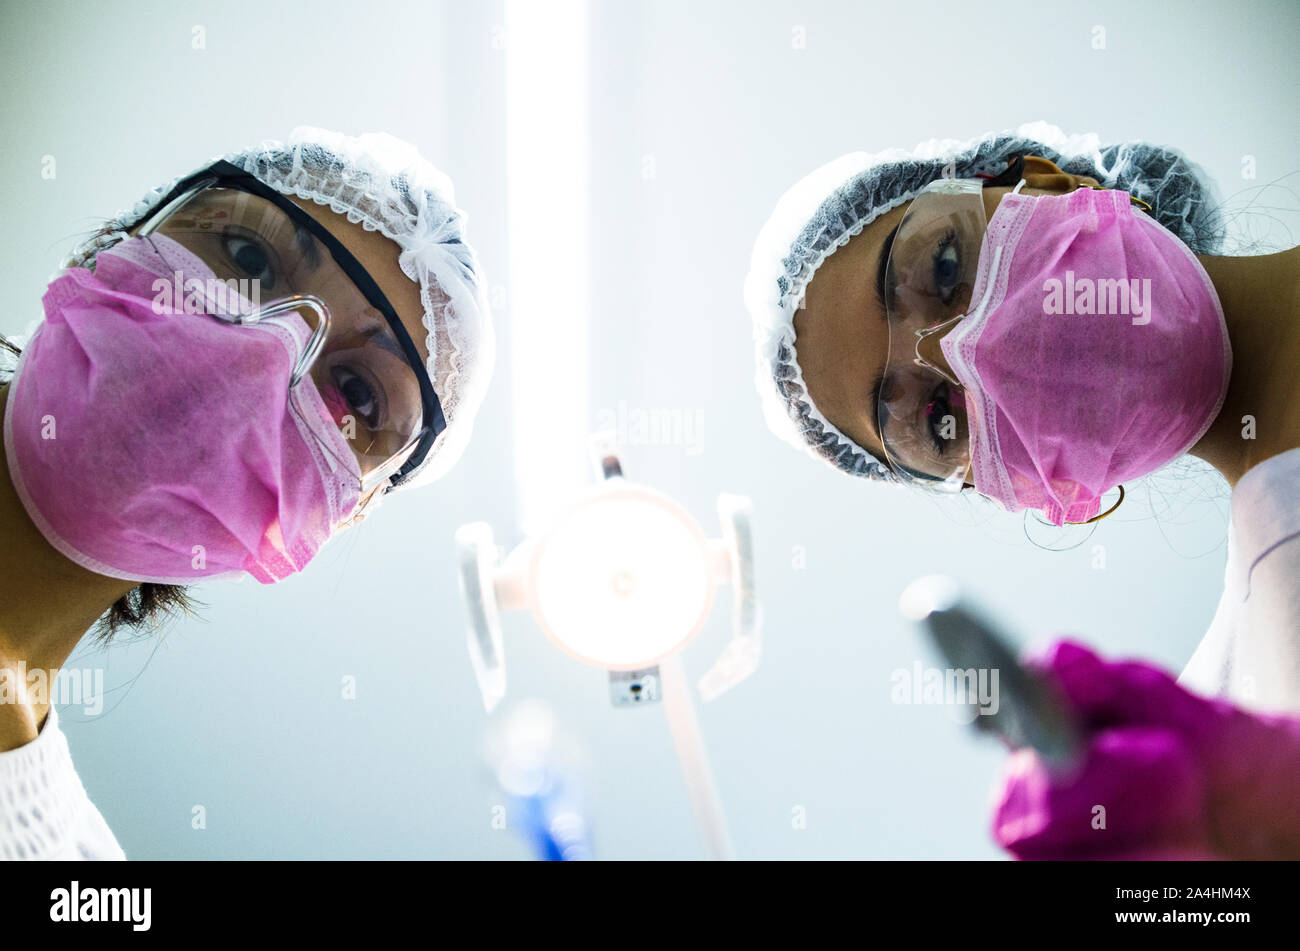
[1040,319]
[227,375]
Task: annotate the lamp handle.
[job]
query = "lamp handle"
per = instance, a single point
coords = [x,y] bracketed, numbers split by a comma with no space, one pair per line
[477,555]
[740,657]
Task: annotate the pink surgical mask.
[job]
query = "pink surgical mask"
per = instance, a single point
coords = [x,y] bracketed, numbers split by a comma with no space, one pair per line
[1097,352]
[168,447]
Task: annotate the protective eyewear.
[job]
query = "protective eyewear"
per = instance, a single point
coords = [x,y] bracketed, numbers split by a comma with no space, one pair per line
[276,259]
[929,277]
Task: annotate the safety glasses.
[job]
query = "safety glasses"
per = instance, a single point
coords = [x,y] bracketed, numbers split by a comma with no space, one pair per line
[270,259]
[930,274]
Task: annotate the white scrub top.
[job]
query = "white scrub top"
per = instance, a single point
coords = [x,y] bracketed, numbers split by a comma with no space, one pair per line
[44,810]
[1251,653]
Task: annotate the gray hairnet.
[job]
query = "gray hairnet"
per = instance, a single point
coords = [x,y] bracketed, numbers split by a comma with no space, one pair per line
[834,203]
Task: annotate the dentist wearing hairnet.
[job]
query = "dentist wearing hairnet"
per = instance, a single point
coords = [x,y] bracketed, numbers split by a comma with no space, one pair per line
[1039,319]
[246,362]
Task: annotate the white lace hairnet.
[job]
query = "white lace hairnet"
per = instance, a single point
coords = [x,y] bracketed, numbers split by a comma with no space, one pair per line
[834,203]
[384,184]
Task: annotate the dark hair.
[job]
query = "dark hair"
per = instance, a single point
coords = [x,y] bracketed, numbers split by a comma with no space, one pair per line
[142,608]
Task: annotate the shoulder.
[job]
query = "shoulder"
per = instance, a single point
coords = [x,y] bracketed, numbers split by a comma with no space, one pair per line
[1251,653]
[1265,519]
[44,810]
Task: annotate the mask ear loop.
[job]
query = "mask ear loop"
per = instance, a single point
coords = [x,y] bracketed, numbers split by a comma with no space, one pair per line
[1133,199]
[1106,514]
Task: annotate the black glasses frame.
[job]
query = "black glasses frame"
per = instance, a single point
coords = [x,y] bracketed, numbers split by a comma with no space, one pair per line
[224,174]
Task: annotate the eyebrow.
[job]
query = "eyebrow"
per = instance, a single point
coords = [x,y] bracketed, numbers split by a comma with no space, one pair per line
[882,274]
[883,269]
[376,334]
[307,245]
[875,408]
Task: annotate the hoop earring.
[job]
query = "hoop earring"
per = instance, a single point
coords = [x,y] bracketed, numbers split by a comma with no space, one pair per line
[1110,511]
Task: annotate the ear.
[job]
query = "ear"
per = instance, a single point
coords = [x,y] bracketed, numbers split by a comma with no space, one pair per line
[1043,173]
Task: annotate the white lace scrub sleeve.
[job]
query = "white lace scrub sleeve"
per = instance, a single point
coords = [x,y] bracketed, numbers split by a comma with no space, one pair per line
[44,810]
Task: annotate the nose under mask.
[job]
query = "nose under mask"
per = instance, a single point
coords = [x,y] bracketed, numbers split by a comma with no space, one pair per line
[1097,352]
[151,445]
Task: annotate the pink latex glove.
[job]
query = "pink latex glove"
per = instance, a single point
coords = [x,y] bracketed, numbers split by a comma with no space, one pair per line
[1179,775]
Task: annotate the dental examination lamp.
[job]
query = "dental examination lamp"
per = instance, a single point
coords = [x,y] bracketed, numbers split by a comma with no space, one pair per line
[623,580]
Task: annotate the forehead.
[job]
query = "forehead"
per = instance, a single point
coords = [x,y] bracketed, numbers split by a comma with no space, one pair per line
[379,256]
[841,337]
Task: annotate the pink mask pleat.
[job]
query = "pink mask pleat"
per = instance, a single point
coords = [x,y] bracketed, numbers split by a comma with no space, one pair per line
[1074,384]
[159,446]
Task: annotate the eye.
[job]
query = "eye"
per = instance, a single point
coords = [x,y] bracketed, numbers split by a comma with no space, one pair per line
[363,398]
[947,267]
[251,259]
